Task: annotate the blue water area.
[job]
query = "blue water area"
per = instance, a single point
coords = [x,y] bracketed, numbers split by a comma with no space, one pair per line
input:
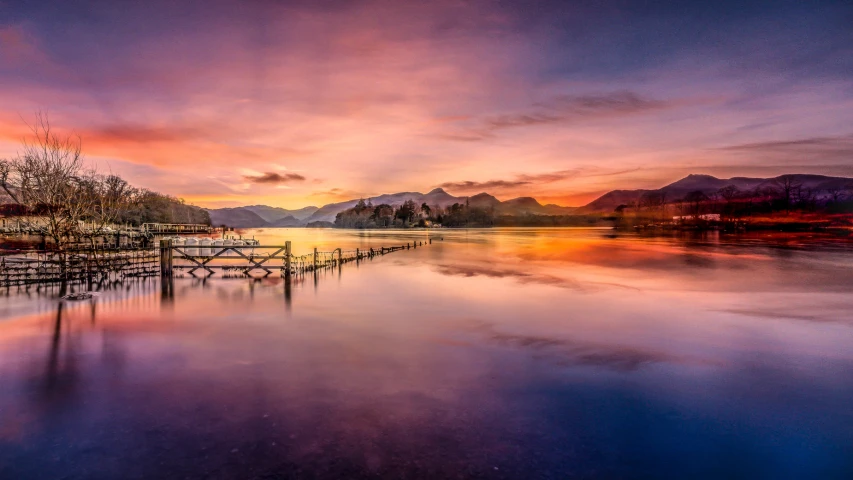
[520,354]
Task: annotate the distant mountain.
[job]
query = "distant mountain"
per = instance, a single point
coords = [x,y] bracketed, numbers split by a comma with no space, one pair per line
[288,221]
[483,200]
[259,216]
[238,217]
[271,214]
[438,197]
[529,206]
[708,184]
[608,202]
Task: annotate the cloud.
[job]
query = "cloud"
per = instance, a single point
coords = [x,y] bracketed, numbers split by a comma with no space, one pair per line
[337,194]
[525,179]
[564,109]
[143,134]
[16,44]
[393,86]
[831,148]
[274,178]
[570,352]
[469,185]
[568,107]
[521,277]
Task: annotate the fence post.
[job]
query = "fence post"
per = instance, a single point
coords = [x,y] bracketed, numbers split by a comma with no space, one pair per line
[287,258]
[315,258]
[340,257]
[165,258]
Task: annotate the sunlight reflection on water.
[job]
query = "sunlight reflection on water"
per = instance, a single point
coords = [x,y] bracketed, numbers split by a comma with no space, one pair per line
[495,353]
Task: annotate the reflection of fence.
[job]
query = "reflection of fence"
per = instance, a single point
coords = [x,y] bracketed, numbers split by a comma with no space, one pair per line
[267,258]
[29,267]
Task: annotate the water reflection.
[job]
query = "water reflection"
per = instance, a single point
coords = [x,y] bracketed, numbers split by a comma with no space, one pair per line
[490,354]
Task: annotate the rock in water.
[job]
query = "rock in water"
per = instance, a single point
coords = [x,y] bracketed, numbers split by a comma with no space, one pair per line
[78,296]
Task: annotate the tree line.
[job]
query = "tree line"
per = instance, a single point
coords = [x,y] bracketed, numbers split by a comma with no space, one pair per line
[458,215]
[52,192]
[409,214]
[785,195]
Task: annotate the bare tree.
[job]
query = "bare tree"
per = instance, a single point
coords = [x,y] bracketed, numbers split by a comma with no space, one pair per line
[806,198]
[654,201]
[109,198]
[729,193]
[836,193]
[695,200]
[47,178]
[789,188]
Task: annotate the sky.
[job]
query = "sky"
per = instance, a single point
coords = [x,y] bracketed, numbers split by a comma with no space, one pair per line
[295,103]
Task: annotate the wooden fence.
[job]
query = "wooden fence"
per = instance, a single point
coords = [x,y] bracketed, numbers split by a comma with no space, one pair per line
[267,258]
[30,267]
[100,264]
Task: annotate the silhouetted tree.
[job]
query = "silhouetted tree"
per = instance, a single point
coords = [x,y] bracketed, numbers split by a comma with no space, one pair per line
[788,188]
[406,212]
[694,200]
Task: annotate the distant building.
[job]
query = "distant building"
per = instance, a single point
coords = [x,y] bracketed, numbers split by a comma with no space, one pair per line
[16,218]
[709,217]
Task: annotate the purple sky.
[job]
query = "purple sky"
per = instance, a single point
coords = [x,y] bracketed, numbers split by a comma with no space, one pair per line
[295,103]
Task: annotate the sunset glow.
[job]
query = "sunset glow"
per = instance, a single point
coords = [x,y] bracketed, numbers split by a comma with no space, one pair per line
[306,103]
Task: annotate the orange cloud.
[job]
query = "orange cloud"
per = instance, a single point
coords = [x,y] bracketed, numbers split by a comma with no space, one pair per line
[391,96]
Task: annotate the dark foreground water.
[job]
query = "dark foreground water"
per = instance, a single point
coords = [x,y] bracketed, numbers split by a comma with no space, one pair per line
[492,354]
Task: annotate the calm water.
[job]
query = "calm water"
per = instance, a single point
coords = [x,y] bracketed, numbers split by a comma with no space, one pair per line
[491,354]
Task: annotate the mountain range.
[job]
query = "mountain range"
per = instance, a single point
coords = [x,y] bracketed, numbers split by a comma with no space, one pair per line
[708,184]
[258,216]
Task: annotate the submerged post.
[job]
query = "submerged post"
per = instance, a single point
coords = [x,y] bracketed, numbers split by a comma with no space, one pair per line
[287,258]
[315,258]
[165,258]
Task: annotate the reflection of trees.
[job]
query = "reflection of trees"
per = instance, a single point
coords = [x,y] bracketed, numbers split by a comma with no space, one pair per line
[60,380]
[61,377]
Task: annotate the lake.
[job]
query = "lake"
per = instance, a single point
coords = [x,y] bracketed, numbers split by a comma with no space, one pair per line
[501,353]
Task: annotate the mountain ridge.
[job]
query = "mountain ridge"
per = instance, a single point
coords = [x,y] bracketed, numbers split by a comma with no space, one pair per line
[258,216]
[708,185]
